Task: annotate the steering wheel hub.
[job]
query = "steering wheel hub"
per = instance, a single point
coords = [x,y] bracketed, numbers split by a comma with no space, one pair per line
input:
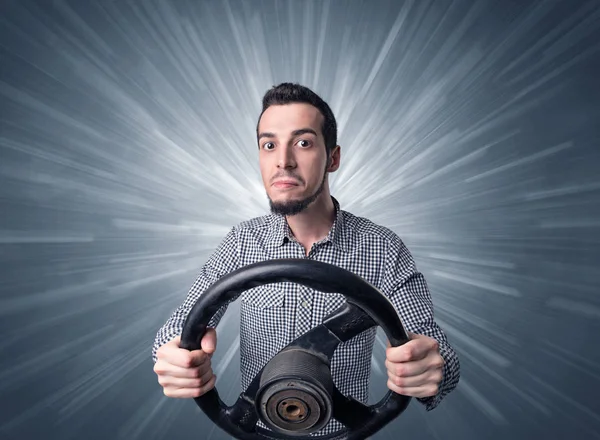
[295,393]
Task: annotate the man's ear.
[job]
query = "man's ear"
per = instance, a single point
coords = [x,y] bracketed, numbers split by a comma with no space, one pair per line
[333,162]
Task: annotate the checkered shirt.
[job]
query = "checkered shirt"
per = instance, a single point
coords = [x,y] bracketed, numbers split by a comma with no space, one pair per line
[273,315]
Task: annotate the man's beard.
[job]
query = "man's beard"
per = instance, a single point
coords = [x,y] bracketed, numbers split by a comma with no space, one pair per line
[294,207]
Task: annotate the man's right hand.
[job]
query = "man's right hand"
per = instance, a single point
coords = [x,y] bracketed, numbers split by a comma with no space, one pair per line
[183,373]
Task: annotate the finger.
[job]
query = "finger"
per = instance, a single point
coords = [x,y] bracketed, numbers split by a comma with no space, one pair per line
[201,377]
[164,368]
[199,358]
[209,341]
[181,357]
[407,369]
[418,392]
[433,377]
[178,382]
[413,350]
[209,385]
[187,393]
[432,343]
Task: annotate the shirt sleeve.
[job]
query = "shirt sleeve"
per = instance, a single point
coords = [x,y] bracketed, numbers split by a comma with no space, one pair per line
[411,297]
[225,259]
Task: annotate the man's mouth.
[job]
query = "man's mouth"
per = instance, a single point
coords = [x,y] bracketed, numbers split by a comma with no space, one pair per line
[285,183]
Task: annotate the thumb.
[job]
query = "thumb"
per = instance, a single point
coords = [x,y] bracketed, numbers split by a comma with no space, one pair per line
[209,341]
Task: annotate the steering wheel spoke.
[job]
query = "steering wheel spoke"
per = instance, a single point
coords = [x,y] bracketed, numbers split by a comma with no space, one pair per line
[347,322]
[342,325]
[243,413]
[349,411]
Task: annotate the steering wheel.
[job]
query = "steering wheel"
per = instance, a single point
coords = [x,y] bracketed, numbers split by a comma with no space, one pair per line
[294,394]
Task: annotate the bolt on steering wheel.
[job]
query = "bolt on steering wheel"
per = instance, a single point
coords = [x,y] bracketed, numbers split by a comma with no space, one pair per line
[294,394]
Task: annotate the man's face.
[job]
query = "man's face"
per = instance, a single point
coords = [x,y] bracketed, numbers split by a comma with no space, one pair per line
[292,156]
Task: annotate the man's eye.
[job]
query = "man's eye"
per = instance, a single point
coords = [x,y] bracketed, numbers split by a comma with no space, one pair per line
[303,143]
[268,145]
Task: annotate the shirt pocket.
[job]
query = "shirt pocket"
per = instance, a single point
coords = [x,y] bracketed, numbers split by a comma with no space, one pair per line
[267,296]
[265,325]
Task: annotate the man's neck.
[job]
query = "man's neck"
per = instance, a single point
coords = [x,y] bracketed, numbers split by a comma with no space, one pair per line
[314,223]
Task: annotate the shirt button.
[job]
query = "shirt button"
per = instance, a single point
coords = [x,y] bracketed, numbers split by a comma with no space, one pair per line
[305,304]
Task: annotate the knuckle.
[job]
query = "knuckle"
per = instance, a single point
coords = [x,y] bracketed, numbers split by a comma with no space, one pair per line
[392,386]
[159,370]
[206,387]
[400,370]
[209,383]
[201,359]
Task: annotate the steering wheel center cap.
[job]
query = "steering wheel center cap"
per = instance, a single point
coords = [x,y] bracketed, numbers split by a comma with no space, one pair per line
[292,409]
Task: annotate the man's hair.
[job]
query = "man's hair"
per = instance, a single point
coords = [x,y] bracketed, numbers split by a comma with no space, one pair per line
[288,93]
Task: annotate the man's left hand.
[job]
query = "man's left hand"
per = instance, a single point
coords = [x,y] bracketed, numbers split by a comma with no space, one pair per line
[415,368]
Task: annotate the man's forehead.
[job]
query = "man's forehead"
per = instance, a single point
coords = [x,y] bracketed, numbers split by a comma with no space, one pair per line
[290,117]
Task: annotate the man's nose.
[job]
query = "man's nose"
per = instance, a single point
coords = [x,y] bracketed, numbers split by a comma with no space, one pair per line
[286,157]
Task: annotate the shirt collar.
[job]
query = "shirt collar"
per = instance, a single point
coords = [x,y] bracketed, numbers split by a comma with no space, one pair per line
[281,232]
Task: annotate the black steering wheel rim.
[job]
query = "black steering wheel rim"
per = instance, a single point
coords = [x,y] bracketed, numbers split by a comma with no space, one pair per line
[365,307]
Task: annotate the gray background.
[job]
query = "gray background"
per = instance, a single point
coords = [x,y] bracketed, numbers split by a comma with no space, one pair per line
[127,151]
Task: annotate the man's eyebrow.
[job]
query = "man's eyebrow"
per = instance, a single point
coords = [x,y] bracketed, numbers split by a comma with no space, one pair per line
[298,132]
[266,134]
[303,131]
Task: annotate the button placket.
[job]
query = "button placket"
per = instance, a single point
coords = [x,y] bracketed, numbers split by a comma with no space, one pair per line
[304,305]
[304,312]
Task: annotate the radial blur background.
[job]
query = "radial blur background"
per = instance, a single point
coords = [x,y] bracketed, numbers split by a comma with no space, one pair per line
[127,151]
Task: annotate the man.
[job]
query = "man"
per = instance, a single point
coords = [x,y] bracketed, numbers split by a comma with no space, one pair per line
[297,138]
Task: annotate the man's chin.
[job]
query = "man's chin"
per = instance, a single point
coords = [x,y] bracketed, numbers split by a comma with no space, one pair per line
[289,207]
